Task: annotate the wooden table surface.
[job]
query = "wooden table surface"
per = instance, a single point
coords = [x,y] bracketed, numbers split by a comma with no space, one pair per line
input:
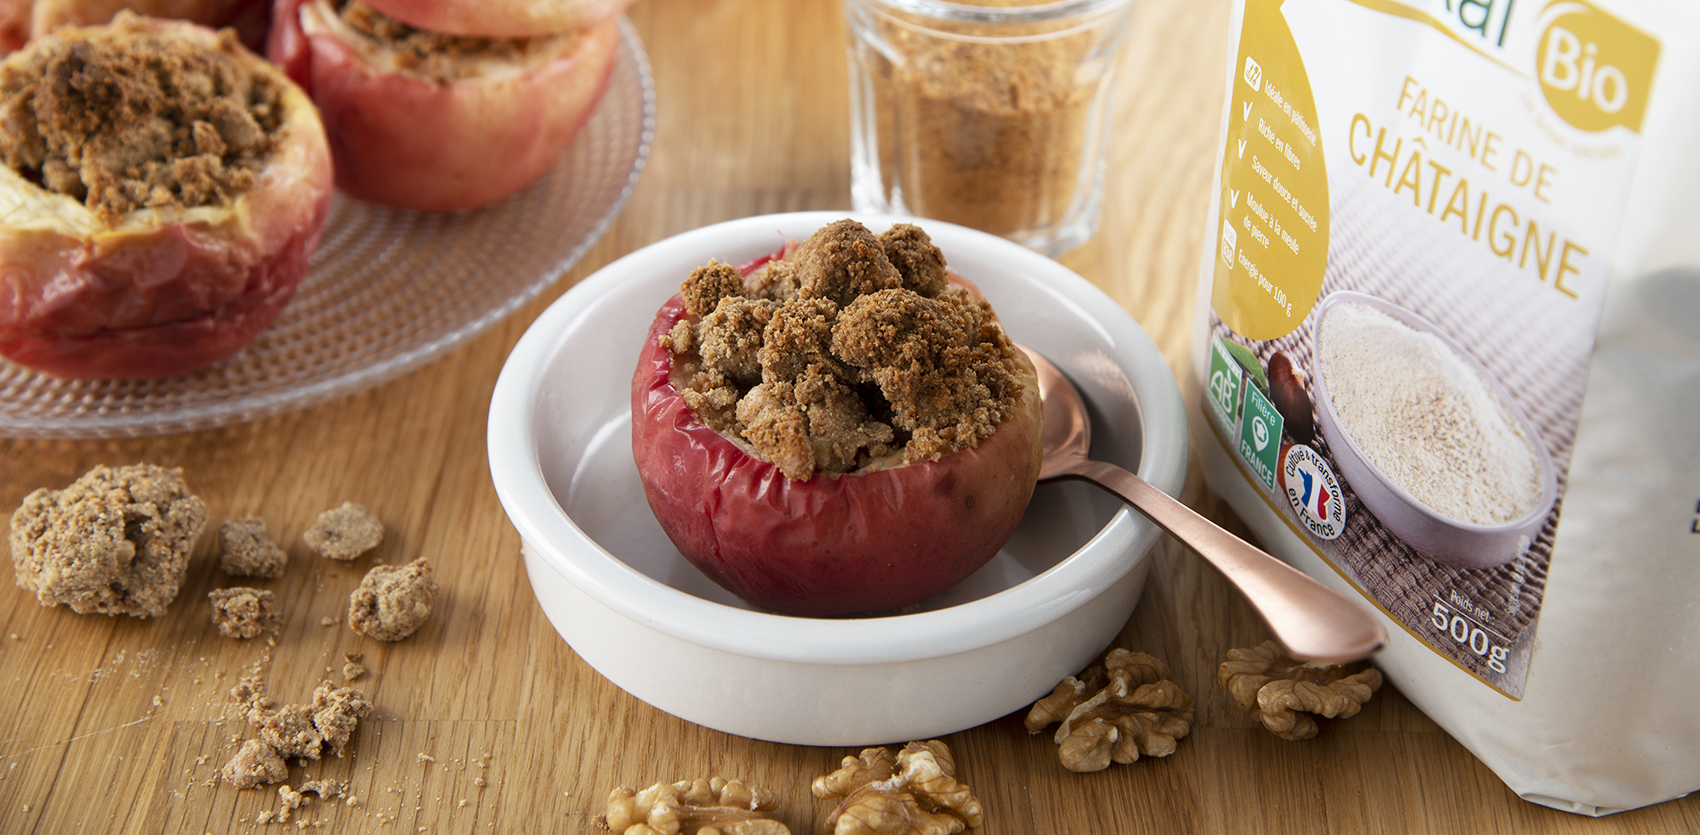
[120,724]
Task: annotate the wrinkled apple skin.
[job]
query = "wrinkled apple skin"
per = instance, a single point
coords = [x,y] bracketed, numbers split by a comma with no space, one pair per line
[163,291]
[405,141]
[248,17]
[500,18]
[827,546]
[14,24]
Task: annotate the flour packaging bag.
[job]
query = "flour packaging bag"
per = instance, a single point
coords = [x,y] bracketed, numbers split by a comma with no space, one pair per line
[1448,347]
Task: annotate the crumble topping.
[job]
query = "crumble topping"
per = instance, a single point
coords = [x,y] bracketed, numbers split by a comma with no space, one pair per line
[131,115]
[849,350]
[442,57]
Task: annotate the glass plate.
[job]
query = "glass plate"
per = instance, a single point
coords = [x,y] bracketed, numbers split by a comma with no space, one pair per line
[388,291]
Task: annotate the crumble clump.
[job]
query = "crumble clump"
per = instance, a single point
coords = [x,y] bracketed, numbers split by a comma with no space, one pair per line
[439,56]
[352,669]
[344,533]
[255,764]
[393,601]
[130,116]
[116,541]
[846,352]
[301,731]
[242,612]
[247,551]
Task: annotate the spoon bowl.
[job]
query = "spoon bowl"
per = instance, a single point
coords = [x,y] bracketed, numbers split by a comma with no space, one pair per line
[1312,621]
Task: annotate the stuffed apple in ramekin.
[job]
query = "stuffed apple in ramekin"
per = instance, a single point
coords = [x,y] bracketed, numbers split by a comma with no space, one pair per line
[162,191]
[843,428]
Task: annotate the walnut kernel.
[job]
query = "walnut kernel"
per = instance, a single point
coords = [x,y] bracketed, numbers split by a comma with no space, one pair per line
[714,806]
[913,793]
[1115,712]
[1283,691]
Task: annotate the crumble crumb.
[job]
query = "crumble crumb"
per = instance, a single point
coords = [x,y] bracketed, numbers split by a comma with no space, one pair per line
[302,731]
[325,789]
[291,800]
[352,669]
[849,352]
[426,758]
[242,612]
[337,711]
[344,533]
[247,551]
[393,601]
[441,57]
[116,541]
[255,764]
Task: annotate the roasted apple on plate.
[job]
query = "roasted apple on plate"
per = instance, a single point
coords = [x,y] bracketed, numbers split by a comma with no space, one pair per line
[437,121]
[21,20]
[841,428]
[161,192]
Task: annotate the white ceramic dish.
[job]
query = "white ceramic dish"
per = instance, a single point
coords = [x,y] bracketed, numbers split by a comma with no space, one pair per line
[629,604]
[1432,533]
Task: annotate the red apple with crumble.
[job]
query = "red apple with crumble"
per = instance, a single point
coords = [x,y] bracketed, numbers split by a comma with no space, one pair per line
[439,121]
[162,191]
[842,428]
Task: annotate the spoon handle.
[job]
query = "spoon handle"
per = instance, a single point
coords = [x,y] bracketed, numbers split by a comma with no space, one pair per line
[1313,621]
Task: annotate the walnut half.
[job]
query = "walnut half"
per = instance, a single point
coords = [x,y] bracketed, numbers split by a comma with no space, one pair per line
[1115,712]
[1283,691]
[714,806]
[913,793]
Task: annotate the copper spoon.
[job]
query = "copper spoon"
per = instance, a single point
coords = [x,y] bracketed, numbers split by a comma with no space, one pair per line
[1312,621]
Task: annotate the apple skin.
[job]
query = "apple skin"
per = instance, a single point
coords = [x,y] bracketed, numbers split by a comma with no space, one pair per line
[161,292]
[829,546]
[500,18]
[413,143]
[248,17]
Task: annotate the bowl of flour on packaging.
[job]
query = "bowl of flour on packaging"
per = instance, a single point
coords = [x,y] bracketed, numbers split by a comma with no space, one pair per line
[1433,445]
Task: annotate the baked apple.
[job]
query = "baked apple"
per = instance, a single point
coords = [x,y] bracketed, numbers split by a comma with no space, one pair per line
[248,17]
[162,191]
[437,122]
[501,18]
[14,24]
[841,429]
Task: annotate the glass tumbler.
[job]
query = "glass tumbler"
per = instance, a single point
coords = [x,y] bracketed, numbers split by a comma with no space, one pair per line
[992,114]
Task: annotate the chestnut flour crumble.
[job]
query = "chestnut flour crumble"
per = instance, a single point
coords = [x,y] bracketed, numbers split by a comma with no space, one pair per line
[127,117]
[443,57]
[851,352]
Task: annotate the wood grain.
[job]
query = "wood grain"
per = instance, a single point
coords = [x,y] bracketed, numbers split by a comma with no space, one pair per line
[120,725]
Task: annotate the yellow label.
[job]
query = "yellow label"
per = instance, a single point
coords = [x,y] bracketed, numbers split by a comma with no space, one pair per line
[1594,69]
[1273,236]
